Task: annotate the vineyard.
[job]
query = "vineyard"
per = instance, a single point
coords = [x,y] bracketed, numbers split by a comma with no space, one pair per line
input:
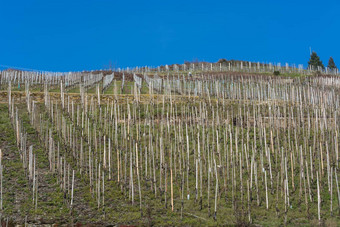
[169,148]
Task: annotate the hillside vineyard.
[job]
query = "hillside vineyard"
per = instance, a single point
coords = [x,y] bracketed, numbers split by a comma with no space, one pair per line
[169,148]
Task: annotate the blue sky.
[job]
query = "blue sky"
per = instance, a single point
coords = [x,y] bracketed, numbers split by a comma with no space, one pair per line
[83,35]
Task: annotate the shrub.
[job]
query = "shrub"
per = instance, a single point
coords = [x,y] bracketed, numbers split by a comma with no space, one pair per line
[276,73]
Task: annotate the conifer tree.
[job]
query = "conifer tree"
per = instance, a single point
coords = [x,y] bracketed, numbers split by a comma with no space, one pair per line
[331,64]
[315,62]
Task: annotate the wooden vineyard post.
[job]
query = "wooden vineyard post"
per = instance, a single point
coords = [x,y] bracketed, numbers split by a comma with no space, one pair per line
[36,192]
[319,198]
[216,190]
[103,190]
[172,192]
[331,192]
[265,179]
[138,178]
[104,158]
[118,165]
[166,185]
[209,173]
[188,163]
[72,190]
[33,178]
[109,151]
[249,205]
[131,180]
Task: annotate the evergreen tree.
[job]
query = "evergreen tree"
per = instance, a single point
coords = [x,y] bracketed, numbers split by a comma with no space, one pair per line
[331,64]
[315,61]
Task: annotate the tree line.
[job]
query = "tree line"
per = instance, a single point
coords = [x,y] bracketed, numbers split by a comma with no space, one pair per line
[315,62]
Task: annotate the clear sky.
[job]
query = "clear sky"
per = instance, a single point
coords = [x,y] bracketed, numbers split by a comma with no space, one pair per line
[66,35]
